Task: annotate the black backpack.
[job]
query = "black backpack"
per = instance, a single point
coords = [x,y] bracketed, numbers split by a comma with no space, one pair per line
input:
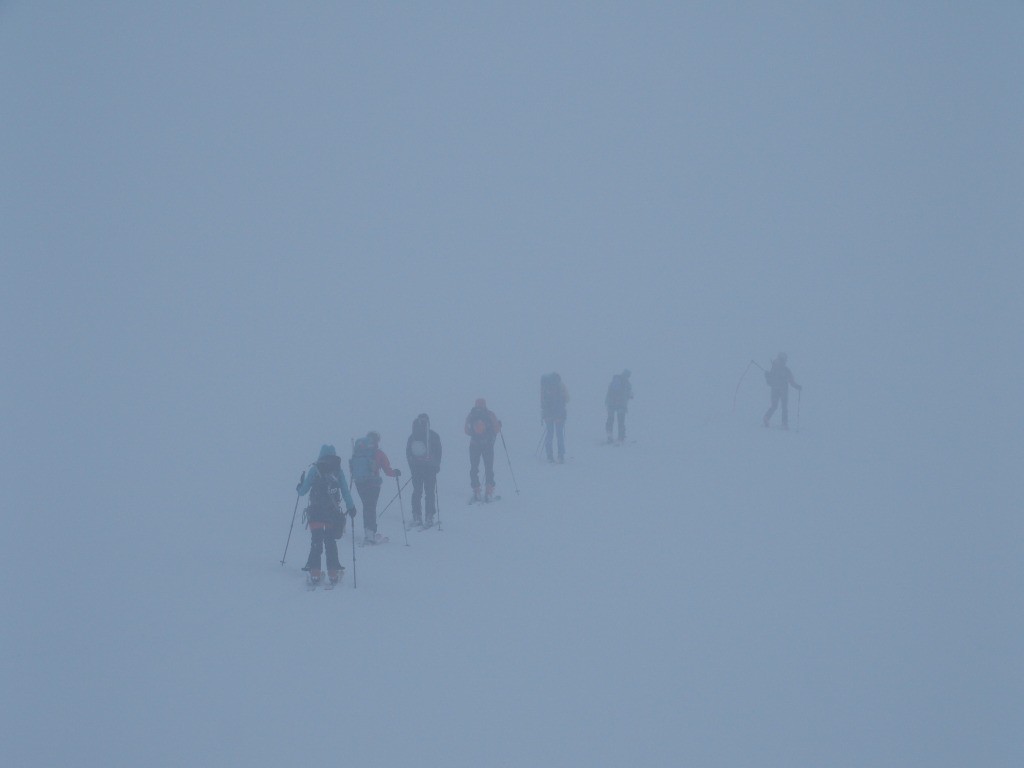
[325,496]
[551,391]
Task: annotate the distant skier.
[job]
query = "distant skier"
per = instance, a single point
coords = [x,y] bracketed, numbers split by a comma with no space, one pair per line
[780,378]
[483,427]
[326,485]
[365,465]
[620,392]
[423,452]
[553,398]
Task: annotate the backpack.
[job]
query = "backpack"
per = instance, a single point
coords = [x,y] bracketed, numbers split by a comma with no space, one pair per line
[363,463]
[481,425]
[617,390]
[325,493]
[551,391]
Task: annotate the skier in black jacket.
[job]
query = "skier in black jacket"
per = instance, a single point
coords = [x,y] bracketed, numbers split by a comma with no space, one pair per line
[423,452]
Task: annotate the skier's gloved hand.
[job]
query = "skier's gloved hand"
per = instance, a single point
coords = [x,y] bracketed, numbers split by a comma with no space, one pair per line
[298,487]
[351,512]
[398,473]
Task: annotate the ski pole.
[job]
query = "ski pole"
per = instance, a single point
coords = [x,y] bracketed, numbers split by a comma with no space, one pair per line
[799,393]
[543,432]
[294,512]
[352,535]
[402,507]
[386,506]
[509,458]
[437,505]
[736,393]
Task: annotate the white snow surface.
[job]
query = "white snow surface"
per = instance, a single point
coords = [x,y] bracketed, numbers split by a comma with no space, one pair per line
[712,594]
[231,232]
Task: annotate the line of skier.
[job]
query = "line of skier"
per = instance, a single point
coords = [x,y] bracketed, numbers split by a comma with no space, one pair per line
[327,486]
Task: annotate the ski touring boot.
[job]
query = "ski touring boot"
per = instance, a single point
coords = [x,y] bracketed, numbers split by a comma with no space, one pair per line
[333,577]
[314,578]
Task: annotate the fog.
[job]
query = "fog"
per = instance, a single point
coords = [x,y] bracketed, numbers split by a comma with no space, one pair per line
[232,232]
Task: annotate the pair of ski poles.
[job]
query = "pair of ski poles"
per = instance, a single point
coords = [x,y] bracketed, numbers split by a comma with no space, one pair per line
[437,506]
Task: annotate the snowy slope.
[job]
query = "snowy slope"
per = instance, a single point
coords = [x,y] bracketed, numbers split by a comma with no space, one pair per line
[695,597]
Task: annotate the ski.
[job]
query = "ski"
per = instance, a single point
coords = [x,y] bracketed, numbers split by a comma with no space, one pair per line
[419,526]
[484,500]
[378,539]
[332,583]
[324,581]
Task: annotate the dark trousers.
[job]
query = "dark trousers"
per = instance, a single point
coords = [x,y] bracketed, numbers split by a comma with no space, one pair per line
[321,539]
[612,414]
[779,395]
[476,451]
[424,481]
[369,492]
[554,428]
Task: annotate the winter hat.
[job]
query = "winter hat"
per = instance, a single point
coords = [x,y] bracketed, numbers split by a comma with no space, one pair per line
[481,403]
[326,450]
[782,357]
[373,437]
